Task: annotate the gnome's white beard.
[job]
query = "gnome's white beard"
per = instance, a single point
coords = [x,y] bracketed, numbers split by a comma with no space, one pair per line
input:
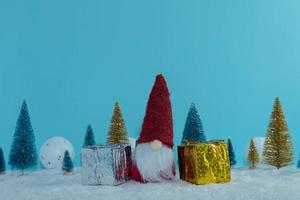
[154,165]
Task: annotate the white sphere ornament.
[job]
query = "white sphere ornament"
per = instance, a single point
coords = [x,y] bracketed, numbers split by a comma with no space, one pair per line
[52,152]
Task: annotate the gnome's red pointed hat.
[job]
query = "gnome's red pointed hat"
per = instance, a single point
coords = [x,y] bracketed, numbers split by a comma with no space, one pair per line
[158,121]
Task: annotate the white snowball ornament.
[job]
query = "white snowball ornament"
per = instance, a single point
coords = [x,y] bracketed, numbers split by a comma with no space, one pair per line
[259,144]
[52,152]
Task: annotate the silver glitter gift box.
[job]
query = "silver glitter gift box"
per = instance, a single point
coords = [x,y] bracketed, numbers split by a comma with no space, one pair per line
[105,164]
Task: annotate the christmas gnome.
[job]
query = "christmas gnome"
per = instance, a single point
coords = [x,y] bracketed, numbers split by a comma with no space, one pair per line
[153,159]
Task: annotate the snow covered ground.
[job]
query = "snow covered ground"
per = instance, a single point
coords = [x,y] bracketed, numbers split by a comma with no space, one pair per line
[247,184]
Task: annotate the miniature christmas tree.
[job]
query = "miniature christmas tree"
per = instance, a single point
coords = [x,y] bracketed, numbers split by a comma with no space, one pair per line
[23,154]
[89,137]
[278,150]
[231,153]
[117,133]
[193,130]
[298,164]
[253,157]
[2,162]
[67,166]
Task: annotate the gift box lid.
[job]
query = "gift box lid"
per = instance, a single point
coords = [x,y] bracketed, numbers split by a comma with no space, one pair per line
[192,143]
[106,146]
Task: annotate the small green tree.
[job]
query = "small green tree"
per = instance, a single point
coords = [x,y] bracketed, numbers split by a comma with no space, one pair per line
[67,166]
[23,155]
[298,164]
[193,129]
[253,157]
[2,162]
[89,138]
[231,153]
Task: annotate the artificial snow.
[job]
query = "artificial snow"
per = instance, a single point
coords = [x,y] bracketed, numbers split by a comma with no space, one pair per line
[264,184]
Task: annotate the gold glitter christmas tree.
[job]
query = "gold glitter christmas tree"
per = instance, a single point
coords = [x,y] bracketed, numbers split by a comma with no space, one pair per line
[117,133]
[253,157]
[278,149]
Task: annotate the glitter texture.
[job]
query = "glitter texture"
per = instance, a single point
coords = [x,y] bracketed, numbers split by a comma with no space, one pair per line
[202,163]
[105,164]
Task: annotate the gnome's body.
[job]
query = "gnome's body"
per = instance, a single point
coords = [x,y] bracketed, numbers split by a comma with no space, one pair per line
[153,159]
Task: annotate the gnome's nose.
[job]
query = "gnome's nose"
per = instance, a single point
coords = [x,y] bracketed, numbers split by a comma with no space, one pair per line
[156,145]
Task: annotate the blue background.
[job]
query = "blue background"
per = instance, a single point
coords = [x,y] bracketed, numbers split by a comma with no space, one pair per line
[71,60]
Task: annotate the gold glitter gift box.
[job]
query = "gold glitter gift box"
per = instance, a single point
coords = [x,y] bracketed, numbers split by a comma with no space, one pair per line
[204,162]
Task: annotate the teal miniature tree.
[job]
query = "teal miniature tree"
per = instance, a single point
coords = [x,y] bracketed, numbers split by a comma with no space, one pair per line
[2,162]
[23,155]
[89,138]
[193,129]
[67,166]
[298,164]
[231,153]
